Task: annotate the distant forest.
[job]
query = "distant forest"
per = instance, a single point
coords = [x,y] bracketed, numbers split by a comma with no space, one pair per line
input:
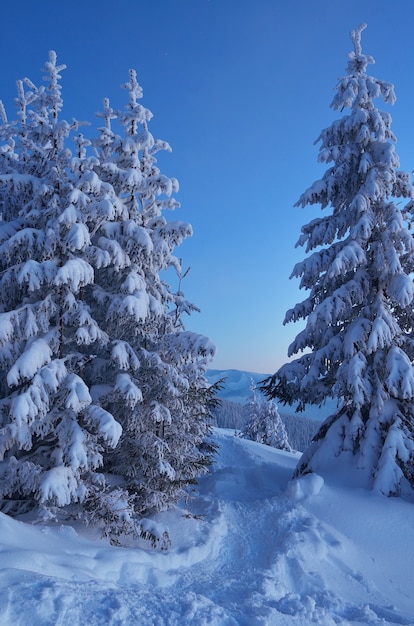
[234,415]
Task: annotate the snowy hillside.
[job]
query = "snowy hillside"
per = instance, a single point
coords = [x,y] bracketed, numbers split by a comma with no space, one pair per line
[250,549]
[237,383]
[237,389]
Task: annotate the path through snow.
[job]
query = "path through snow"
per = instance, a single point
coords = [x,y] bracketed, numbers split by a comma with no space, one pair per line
[248,550]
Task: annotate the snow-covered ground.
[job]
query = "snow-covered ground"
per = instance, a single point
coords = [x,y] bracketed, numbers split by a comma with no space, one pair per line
[250,549]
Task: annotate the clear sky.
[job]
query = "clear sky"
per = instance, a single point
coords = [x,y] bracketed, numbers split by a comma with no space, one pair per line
[241,90]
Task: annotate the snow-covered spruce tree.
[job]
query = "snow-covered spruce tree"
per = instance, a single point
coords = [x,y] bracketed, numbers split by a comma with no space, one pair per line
[77,358]
[358,338]
[264,423]
[51,434]
[253,428]
[151,372]
[275,434]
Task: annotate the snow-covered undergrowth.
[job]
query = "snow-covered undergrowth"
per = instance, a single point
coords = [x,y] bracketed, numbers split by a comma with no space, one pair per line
[251,548]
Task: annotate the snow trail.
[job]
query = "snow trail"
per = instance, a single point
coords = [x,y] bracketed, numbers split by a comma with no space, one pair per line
[248,550]
[277,560]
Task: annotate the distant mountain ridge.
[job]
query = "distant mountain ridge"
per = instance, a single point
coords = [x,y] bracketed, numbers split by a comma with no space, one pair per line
[237,383]
[237,389]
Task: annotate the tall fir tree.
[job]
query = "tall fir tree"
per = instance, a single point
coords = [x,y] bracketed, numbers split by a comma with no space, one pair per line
[92,341]
[154,369]
[357,342]
[51,434]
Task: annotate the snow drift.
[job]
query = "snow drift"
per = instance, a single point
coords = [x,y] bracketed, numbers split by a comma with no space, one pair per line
[250,548]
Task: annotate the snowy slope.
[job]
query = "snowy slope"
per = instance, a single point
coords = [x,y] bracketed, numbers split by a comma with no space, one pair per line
[237,383]
[250,549]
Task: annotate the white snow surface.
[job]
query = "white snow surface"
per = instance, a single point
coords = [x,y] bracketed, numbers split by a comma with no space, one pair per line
[250,548]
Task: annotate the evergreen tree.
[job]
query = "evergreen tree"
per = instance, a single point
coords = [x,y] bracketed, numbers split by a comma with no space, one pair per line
[264,423]
[92,341]
[275,434]
[51,434]
[358,335]
[152,368]
[253,428]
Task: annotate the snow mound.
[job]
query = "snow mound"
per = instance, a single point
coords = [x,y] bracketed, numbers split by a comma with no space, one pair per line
[252,548]
[308,485]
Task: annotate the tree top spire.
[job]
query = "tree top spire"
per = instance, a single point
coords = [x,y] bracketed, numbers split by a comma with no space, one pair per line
[357,61]
[356,38]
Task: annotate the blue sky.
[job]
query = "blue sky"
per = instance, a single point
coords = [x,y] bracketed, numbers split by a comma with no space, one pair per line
[241,90]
